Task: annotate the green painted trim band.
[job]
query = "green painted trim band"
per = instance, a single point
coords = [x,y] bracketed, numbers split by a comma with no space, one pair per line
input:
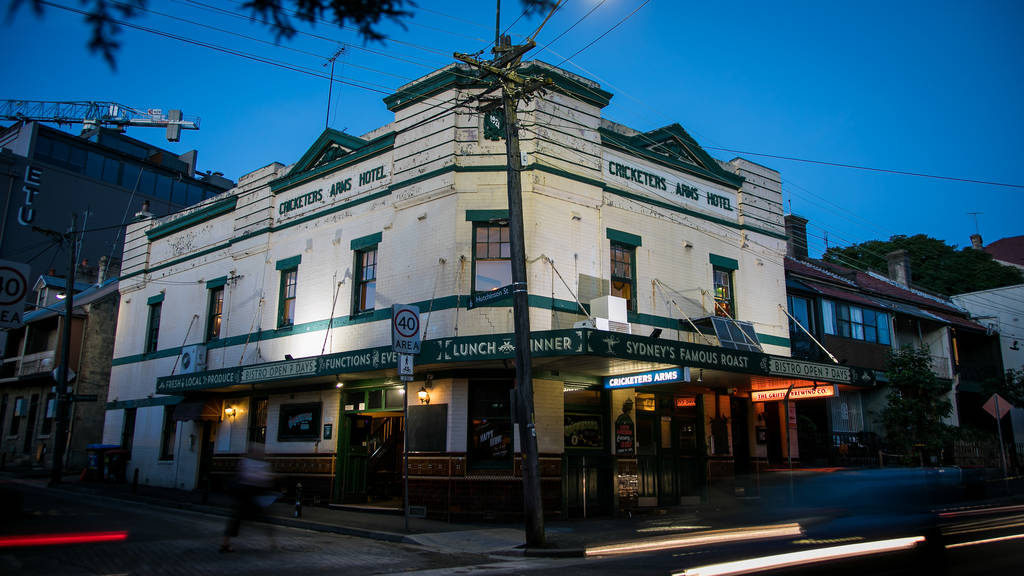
[486,215]
[216,282]
[144,402]
[773,340]
[288,263]
[724,262]
[199,254]
[366,241]
[155,299]
[197,217]
[426,306]
[623,237]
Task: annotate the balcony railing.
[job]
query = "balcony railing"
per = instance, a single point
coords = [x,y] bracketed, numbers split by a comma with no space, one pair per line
[39,363]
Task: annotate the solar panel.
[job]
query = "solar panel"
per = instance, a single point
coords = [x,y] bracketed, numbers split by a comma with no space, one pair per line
[735,334]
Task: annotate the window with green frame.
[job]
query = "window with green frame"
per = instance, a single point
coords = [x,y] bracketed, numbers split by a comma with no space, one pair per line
[214,313]
[153,327]
[286,306]
[492,256]
[623,281]
[724,303]
[366,280]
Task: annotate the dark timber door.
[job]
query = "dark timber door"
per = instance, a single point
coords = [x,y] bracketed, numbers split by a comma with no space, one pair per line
[357,456]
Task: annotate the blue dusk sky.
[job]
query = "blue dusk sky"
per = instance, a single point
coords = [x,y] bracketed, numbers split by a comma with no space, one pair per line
[924,87]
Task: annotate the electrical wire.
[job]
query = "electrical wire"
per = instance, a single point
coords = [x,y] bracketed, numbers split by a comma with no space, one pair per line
[610,30]
[869,168]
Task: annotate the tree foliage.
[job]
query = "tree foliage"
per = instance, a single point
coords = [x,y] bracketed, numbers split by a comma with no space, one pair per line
[917,405]
[934,265]
[103,16]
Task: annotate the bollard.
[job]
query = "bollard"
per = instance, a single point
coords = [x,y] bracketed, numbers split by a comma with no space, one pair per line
[298,500]
[135,481]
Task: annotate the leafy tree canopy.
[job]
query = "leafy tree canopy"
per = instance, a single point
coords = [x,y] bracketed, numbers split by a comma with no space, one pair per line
[103,16]
[934,265]
[917,404]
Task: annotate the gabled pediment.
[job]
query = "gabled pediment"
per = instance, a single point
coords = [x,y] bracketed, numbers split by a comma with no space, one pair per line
[330,147]
[674,141]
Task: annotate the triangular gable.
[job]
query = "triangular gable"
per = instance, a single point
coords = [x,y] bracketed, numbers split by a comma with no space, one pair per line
[674,140]
[673,147]
[329,147]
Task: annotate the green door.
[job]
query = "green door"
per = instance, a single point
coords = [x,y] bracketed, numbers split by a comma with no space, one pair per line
[356,454]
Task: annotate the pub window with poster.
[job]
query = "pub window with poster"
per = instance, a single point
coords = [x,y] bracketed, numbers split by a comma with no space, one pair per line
[490,425]
[299,422]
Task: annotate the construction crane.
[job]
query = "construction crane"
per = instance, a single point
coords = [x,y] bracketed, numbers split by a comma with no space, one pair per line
[95,114]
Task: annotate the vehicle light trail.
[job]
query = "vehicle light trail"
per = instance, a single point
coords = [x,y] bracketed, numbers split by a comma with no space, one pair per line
[699,539]
[61,539]
[801,558]
[985,541]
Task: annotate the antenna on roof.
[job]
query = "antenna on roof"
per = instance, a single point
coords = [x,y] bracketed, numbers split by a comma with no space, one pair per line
[975,214]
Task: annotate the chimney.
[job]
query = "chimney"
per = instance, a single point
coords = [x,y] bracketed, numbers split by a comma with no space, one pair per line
[796,236]
[976,242]
[144,213]
[101,271]
[899,267]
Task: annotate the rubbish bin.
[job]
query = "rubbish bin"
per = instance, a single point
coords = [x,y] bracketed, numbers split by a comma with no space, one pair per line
[114,463]
[95,464]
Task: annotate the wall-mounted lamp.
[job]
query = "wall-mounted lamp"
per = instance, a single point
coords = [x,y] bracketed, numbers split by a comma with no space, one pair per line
[340,384]
[230,411]
[656,333]
[424,394]
[288,357]
[60,296]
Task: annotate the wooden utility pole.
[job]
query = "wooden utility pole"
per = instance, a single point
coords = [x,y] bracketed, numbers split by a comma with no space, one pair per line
[60,439]
[514,87]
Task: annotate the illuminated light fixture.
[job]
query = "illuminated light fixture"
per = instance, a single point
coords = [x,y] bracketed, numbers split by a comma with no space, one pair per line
[230,411]
[423,395]
[340,384]
[61,296]
[804,557]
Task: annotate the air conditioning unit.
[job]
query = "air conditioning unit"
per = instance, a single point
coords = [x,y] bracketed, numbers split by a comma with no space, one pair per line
[193,359]
[605,325]
[609,315]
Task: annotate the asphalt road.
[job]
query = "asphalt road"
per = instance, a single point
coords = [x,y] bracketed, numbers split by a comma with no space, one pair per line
[163,541]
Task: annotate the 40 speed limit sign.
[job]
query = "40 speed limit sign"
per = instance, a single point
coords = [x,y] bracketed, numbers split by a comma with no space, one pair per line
[13,289]
[405,329]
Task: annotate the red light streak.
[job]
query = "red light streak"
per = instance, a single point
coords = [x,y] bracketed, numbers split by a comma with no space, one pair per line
[59,539]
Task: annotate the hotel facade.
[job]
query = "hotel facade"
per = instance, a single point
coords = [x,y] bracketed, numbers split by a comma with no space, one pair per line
[260,321]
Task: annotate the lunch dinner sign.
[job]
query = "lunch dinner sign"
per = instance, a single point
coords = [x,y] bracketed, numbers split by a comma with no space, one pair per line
[551,343]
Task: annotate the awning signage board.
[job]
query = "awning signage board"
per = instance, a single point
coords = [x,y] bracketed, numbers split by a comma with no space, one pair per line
[800,393]
[648,378]
[551,343]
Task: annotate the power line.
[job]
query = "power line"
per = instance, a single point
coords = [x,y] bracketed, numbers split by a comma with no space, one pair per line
[594,41]
[868,168]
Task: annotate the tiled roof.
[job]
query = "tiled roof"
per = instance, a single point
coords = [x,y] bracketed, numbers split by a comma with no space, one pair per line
[1008,250]
[875,290]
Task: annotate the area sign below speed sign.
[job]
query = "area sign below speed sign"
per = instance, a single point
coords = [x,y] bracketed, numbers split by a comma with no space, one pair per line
[13,289]
[405,329]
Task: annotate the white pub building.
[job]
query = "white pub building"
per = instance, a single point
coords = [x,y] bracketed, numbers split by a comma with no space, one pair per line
[258,322]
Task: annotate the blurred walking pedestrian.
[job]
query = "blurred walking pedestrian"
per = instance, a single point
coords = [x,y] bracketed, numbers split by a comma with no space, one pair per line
[251,492]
